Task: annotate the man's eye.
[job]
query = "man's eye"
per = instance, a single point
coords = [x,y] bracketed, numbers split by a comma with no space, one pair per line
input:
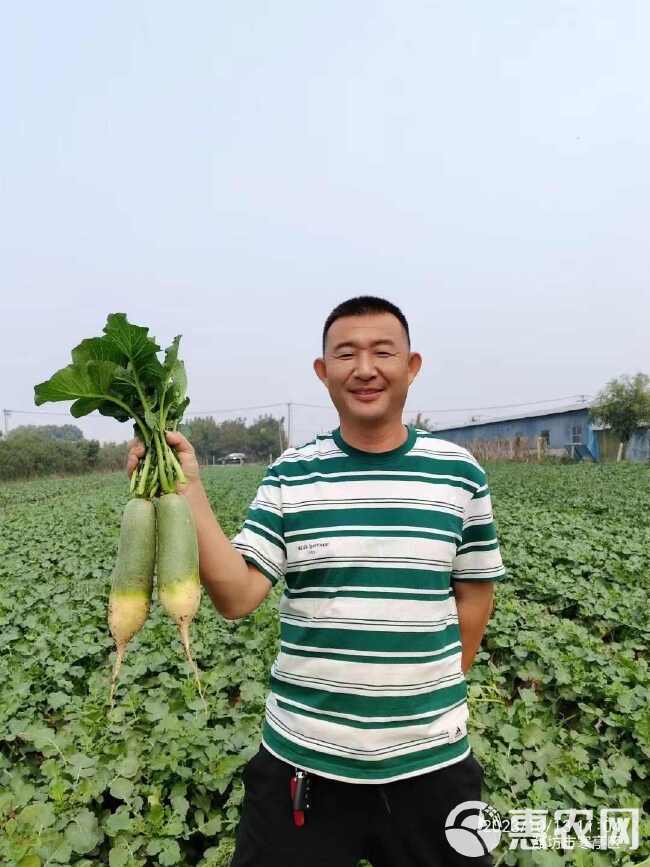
[384,354]
[345,355]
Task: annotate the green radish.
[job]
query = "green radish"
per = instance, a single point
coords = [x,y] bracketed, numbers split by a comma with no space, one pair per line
[179,584]
[120,374]
[132,579]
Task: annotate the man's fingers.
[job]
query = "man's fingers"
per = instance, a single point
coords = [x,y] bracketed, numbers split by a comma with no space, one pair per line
[131,464]
[136,447]
[136,451]
[178,441]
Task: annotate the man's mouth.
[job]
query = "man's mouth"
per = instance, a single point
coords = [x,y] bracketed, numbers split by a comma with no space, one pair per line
[366,393]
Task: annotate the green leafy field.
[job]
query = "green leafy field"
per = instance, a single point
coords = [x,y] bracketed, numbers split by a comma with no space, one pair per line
[559,695]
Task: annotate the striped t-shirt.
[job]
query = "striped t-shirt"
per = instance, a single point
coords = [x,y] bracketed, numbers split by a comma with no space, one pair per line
[367,686]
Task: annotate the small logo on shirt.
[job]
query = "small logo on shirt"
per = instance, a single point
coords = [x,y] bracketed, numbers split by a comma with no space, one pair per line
[456,733]
[312,547]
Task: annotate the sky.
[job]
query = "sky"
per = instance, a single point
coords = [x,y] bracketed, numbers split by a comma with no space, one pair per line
[232,171]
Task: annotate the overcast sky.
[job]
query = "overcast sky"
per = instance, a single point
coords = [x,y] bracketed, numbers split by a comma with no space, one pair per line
[232,171]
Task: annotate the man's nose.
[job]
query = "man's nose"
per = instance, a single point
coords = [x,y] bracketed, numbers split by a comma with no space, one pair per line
[365,366]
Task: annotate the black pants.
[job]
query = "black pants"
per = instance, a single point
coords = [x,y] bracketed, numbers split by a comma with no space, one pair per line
[398,824]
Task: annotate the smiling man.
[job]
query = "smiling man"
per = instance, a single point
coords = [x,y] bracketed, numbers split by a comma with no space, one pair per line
[384,537]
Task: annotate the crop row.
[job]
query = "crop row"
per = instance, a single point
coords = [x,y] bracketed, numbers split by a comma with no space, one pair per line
[558,694]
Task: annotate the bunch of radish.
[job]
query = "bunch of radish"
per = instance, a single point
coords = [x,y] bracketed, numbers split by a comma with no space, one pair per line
[120,375]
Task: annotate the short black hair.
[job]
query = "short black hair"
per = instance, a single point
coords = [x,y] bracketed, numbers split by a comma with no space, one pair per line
[361,306]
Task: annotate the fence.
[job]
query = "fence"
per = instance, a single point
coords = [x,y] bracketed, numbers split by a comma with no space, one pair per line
[518,448]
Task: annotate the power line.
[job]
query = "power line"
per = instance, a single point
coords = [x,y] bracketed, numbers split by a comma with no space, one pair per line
[507,405]
[583,397]
[37,412]
[467,408]
[109,418]
[234,409]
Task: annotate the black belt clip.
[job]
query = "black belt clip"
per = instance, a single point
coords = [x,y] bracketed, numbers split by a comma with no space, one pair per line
[300,792]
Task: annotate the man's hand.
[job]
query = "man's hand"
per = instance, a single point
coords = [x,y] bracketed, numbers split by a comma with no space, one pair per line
[184,452]
[136,452]
[474,603]
[186,458]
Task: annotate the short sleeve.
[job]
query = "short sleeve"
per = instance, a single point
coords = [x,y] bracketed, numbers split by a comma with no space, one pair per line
[478,557]
[261,538]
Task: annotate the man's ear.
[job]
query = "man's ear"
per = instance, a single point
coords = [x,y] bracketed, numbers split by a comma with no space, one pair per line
[320,370]
[414,365]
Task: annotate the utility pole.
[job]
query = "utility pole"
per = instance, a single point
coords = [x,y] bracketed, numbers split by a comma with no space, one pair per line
[6,413]
[280,437]
[289,423]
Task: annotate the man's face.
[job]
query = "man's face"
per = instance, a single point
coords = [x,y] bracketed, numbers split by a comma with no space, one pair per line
[367,367]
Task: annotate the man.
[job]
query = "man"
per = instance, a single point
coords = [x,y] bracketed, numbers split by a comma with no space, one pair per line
[385,538]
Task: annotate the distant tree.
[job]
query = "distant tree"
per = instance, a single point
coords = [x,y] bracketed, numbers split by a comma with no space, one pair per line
[624,405]
[203,433]
[233,436]
[112,457]
[266,436]
[422,423]
[26,454]
[212,440]
[65,432]
[90,453]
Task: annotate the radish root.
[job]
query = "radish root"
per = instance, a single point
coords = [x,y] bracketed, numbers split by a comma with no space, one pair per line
[184,630]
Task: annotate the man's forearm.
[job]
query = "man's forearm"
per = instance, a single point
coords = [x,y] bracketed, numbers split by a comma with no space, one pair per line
[473,616]
[224,572]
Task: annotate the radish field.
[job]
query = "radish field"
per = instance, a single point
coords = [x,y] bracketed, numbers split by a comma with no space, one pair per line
[559,693]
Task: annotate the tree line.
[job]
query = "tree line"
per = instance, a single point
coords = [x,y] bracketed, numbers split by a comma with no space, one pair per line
[40,450]
[260,441]
[31,451]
